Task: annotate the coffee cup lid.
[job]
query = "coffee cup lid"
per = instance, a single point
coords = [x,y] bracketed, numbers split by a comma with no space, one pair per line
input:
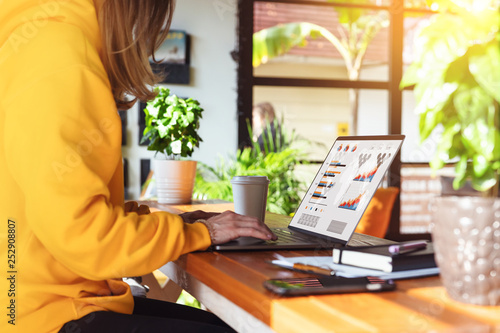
[249,180]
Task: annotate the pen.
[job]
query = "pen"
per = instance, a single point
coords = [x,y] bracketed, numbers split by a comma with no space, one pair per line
[406,247]
[313,269]
[303,267]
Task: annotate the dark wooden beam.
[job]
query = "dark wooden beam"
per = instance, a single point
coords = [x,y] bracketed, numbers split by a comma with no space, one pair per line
[245,69]
[396,35]
[318,83]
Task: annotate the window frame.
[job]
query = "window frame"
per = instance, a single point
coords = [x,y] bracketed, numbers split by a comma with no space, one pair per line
[247,80]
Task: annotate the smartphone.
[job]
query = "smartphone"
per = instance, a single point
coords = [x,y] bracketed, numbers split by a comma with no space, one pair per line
[328,285]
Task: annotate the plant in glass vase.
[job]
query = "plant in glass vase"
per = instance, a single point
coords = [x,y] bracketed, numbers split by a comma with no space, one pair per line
[171,131]
[456,76]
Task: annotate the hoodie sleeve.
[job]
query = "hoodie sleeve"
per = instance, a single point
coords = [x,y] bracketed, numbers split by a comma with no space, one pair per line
[63,148]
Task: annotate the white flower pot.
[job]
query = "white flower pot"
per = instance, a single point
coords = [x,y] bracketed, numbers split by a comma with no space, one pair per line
[174,181]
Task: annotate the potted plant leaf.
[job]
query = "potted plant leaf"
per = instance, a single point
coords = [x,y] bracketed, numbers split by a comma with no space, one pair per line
[457,87]
[171,131]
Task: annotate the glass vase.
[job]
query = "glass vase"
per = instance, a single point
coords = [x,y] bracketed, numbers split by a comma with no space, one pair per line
[466,236]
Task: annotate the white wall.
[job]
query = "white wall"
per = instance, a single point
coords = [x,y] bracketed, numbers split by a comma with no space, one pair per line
[212,28]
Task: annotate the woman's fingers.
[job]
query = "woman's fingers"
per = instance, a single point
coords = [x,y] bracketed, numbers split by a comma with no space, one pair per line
[250,232]
[229,225]
[251,223]
[248,226]
[143,210]
[130,206]
[133,207]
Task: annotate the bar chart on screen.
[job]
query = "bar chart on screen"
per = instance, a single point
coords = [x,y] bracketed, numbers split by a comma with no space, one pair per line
[327,182]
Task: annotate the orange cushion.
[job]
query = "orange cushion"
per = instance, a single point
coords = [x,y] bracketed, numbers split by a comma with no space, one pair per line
[377,216]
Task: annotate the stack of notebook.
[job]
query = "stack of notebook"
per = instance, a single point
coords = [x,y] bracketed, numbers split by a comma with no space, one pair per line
[388,258]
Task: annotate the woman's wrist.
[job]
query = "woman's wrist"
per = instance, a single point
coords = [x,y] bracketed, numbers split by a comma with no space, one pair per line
[209,227]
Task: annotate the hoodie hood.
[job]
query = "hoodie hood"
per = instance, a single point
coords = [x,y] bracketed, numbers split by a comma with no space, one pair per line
[23,19]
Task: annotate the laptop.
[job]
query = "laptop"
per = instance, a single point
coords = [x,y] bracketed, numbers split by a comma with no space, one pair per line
[337,197]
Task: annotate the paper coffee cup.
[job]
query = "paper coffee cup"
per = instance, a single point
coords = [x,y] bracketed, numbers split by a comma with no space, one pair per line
[250,195]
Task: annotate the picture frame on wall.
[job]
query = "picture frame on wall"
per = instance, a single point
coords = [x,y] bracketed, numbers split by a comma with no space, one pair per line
[174,55]
[174,49]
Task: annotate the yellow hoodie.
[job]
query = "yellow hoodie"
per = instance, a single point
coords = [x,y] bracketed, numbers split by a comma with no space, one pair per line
[61,182]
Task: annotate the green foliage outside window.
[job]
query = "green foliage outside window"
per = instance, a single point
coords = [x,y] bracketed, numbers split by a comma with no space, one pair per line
[277,161]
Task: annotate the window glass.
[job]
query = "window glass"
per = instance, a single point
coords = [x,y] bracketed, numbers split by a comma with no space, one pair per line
[313,113]
[416,4]
[318,57]
[322,114]
[413,150]
[414,22]
[373,112]
[319,115]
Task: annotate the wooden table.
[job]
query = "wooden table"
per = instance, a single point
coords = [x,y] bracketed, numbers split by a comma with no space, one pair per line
[230,285]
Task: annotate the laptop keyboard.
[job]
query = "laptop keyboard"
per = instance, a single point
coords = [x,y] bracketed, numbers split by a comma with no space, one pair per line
[285,235]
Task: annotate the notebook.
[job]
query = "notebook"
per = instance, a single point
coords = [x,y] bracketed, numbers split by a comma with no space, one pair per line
[337,197]
[380,258]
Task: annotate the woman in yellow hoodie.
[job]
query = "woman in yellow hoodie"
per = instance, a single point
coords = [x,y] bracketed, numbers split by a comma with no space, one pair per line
[65,67]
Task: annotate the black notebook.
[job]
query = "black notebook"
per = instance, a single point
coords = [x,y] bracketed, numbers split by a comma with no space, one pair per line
[379,258]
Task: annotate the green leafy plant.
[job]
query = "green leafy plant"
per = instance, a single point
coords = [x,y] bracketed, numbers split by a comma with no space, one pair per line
[274,137]
[457,87]
[172,124]
[277,161]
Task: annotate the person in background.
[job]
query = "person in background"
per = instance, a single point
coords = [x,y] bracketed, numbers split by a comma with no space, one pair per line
[65,69]
[265,127]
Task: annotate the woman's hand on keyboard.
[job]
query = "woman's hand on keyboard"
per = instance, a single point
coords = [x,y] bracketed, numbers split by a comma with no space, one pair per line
[229,225]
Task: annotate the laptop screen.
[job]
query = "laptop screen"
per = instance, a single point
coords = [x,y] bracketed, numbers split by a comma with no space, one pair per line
[345,184]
